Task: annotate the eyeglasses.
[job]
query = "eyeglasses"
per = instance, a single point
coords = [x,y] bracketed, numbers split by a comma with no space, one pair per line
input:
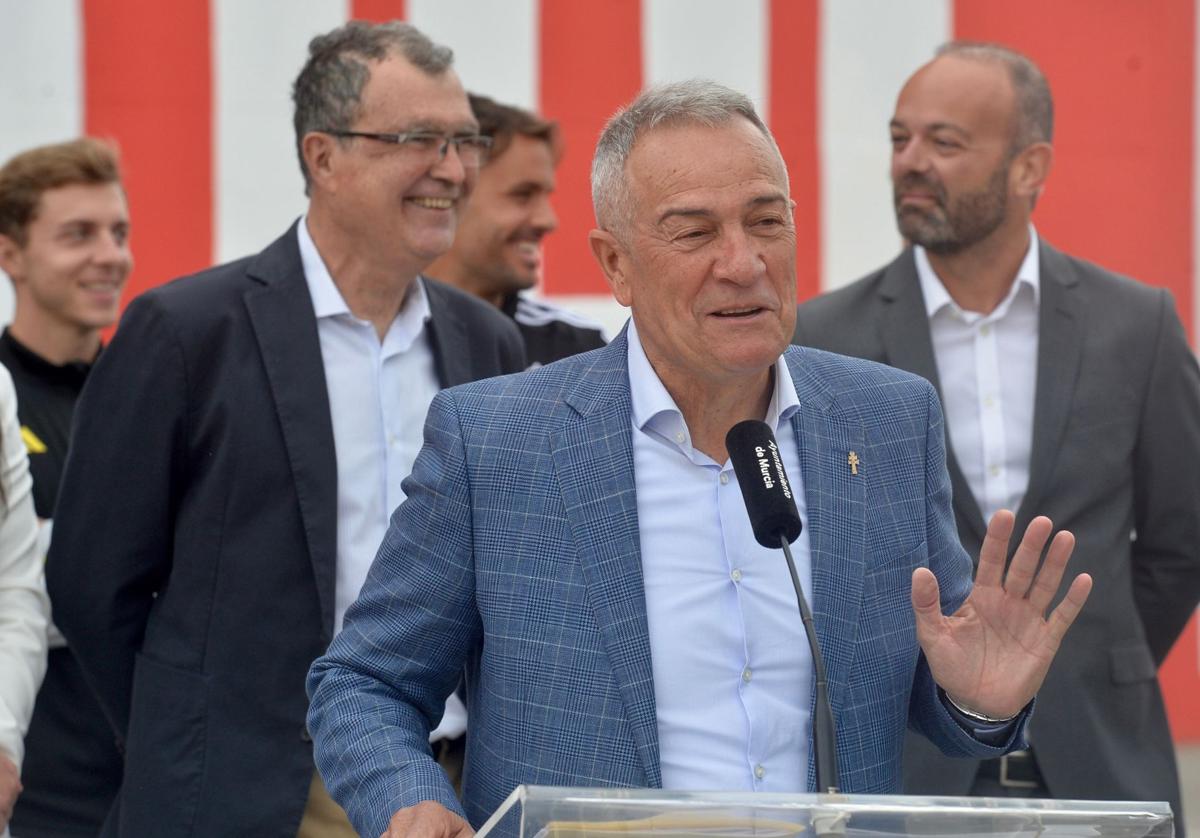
[471,149]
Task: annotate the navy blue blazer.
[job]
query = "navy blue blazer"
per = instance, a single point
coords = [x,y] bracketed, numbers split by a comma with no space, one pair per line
[194,555]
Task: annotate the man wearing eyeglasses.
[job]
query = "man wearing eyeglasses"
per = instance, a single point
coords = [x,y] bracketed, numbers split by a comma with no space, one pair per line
[242,443]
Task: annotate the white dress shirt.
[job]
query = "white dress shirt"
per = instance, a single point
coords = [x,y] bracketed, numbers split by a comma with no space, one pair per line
[732,671]
[987,365]
[379,394]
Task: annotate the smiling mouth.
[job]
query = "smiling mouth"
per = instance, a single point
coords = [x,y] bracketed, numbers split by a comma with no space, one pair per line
[737,312]
[434,203]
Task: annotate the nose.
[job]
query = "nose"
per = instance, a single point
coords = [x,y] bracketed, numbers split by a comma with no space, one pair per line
[112,249]
[738,260]
[449,166]
[912,156]
[544,218]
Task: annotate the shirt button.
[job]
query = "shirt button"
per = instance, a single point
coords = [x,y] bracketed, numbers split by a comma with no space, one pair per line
[736,576]
[724,478]
[994,471]
[759,772]
[680,438]
[985,330]
[747,675]
[989,402]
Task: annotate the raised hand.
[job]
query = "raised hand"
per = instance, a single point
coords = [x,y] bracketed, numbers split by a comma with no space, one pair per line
[992,655]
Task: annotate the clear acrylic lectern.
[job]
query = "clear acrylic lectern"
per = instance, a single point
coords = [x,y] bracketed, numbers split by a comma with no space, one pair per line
[545,812]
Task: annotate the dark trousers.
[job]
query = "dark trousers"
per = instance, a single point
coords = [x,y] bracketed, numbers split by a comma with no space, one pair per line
[72,769]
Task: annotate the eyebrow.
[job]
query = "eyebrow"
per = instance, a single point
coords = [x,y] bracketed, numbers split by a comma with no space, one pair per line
[702,212]
[936,126]
[428,127]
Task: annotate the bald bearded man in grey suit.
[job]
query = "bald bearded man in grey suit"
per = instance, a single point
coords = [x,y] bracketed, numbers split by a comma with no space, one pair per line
[1067,390]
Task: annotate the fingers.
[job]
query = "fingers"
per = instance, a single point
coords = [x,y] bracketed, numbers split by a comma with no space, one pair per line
[1045,587]
[926,602]
[1064,615]
[1025,560]
[994,550]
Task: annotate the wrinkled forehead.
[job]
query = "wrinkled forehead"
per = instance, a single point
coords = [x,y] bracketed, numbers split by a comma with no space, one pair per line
[969,93]
[399,95]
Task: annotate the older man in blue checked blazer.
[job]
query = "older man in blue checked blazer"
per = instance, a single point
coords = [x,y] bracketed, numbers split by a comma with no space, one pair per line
[575,540]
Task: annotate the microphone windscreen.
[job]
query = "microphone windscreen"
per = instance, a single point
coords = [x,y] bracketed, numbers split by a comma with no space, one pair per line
[754,455]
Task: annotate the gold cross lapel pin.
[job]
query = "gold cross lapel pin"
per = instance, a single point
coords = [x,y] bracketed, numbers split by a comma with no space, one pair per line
[853,461]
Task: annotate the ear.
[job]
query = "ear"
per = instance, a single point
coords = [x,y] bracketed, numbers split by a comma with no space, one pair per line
[1030,169]
[318,150]
[11,258]
[613,260]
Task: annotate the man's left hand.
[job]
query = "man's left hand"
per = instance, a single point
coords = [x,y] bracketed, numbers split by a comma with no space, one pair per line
[10,788]
[992,655]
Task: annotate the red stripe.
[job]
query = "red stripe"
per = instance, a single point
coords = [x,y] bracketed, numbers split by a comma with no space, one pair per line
[377,11]
[1180,679]
[1121,73]
[591,64]
[1121,190]
[147,71]
[793,116]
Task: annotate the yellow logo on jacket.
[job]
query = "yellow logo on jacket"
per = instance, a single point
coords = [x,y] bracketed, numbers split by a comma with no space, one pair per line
[32,444]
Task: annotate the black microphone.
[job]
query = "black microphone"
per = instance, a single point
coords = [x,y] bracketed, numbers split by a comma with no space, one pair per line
[776,523]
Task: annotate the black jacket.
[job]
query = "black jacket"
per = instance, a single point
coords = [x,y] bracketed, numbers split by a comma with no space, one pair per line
[193,572]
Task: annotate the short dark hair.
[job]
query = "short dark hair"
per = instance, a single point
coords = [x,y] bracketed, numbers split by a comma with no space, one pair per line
[1034,106]
[503,122]
[328,91]
[25,177]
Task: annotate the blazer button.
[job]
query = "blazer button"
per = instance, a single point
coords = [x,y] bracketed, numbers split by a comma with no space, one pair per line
[305,736]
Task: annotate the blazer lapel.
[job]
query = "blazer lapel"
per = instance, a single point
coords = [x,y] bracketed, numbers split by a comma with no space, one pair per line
[835,501]
[448,339]
[909,347]
[593,455]
[285,327]
[1060,348]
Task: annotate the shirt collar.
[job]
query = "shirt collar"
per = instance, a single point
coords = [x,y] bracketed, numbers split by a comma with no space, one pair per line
[72,374]
[937,297]
[655,411]
[327,300]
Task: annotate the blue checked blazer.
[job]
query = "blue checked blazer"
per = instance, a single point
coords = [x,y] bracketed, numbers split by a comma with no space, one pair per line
[517,556]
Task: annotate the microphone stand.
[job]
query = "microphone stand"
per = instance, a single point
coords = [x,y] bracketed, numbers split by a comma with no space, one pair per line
[824,734]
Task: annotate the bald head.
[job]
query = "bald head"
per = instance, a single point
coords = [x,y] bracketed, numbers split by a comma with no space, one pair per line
[1032,105]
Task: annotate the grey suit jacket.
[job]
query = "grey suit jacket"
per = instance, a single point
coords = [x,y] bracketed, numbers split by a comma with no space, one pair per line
[1116,460]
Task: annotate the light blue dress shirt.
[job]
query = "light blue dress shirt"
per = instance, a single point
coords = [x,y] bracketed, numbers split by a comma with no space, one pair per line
[379,394]
[732,671]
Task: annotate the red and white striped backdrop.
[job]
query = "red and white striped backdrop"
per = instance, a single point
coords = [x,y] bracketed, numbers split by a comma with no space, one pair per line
[196,92]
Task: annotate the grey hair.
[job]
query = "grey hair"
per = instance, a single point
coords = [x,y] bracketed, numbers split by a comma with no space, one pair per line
[1034,106]
[328,90]
[696,101]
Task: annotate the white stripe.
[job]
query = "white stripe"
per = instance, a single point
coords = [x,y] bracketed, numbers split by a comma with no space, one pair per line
[868,49]
[41,84]
[41,73]
[495,44]
[601,309]
[257,50]
[722,40]
[541,312]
